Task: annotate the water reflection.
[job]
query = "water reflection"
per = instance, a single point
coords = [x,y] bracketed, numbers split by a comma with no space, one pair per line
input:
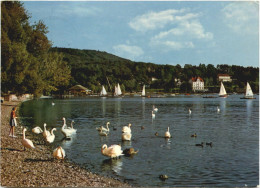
[66,142]
[103,101]
[249,104]
[112,164]
[126,144]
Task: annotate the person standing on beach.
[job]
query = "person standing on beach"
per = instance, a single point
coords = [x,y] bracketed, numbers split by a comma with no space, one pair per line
[12,122]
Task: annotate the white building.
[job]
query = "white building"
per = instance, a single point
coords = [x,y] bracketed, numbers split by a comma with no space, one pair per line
[197,84]
[224,78]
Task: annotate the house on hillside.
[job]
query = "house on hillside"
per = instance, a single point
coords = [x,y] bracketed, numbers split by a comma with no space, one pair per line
[224,78]
[79,90]
[197,84]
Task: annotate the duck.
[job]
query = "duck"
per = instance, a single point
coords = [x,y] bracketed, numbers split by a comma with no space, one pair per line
[163,177]
[27,143]
[127,129]
[200,145]
[45,132]
[142,127]
[59,153]
[113,151]
[37,130]
[189,111]
[167,133]
[101,128]
[129,151]
[67,132]
[153,115]
[51,137]
[103,133]
[155,109]
[156,134]
[218,109]
[126,136]
[194,135]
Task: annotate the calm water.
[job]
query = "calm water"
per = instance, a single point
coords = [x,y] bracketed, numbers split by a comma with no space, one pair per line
[234,131]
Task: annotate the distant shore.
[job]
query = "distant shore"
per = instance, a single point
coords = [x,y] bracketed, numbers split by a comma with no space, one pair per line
[37,168]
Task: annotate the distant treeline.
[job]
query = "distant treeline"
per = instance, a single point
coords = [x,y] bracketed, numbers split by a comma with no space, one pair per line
[92,69]
[29,64]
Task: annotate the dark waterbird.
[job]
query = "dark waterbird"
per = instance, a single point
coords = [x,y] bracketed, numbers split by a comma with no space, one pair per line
[194,135]
[209,144]
[200,145]
[163,177]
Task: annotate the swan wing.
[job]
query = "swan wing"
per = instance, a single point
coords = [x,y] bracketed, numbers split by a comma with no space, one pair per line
[28,143]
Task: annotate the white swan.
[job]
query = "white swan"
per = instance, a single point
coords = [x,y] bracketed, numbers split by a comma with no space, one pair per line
[51,137]
[189,111]
[71,127]
[113,151]
[52,103]
[37,130]
[126,136]
[167,133]
[45,132]
[127,129]
[155,109]
[59,153]
[101,128]
[218,110]
[153,115]
[103,133]
[26,142]
[67,132]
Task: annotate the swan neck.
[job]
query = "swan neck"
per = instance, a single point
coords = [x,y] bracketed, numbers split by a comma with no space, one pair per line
[23,133]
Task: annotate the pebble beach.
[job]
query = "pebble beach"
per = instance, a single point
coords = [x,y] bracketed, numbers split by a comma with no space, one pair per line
[37,167]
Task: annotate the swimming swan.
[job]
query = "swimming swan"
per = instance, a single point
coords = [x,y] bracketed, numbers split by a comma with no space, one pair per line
[45,132]
[153,115]
[189,111]
[126,136]
[103,133]
[59,153]
[167,133]
[218,110]
[127,129]
[51,137]
[155,109]
[26,142]
[113,151]
[67,132]
[37,130]
[103,128]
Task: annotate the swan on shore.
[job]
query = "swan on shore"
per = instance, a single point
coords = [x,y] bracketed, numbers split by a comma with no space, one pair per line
[167,133]
[26,142]
[101,128]
[37,130]
[59,153]
[113,151]
[45,132]
[126,136]
[127,129]
[51,137]
[67,132]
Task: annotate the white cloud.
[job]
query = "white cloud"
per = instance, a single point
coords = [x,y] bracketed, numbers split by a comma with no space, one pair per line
[77,9]
[171,45]
[127,51]
[241,17]
[157,20]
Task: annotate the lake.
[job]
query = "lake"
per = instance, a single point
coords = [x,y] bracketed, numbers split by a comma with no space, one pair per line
[233,159]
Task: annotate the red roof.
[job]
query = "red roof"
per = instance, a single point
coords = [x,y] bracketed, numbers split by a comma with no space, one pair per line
[223,75]
[194,79]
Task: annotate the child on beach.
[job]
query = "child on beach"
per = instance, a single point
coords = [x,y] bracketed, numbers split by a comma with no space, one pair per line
[12,122]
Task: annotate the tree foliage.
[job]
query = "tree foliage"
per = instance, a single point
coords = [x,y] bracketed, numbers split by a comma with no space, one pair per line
[26,63]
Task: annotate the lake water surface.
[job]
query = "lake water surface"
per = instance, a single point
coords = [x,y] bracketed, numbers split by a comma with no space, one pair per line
[233,159]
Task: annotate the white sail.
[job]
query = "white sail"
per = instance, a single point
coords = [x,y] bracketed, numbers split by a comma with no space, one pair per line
[222,91]
[103,91]
[249,92]
[119,92]
[143,92]
[116,91]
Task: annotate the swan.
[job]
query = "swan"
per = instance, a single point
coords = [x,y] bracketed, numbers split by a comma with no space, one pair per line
[37,130]
[167,133]
[59,153]
[52,103]
[26,142]
[71,128]
[189,111]
[155,109]
[51,137]
[45,132]
[113,151]
[218,110]
[66,131]
[126,136]
[127,129]
[153,115]
[101,128]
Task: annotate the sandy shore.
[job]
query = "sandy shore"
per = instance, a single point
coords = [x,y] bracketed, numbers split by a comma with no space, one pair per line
[37,168]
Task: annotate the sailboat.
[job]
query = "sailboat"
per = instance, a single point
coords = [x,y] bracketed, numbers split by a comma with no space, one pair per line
[143,91]
[103,92]
[249,93]
[222,92]
[118,91]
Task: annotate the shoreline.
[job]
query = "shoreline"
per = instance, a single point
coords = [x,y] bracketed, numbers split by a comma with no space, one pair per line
[37,167]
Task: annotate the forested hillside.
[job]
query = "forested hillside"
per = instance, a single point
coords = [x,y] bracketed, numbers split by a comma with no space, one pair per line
[92,69]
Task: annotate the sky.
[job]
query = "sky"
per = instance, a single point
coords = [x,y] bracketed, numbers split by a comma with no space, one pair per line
[160,32]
